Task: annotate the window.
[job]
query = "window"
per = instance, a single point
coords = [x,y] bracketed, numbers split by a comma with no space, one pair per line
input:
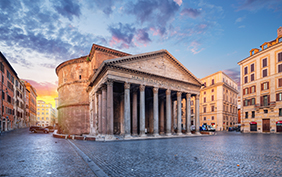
[212,118]
[212,97]
[265,111]
[192,102]
[246,102]
[280,39]
[212,90]
[253,89]
[212,108]
[246,70]
[79,76]
[253,101]
[205,118]
[280,82]
[264,62]
[265,86]
[252,67]
[212,81]
[279,97]
[246,115]
[42,118]
[204,93]
[43,113]
[280,56]
[245,91]
[205,109]
[264,73]
[246,79]
[205,84]
[38,118]
[252,77]
[192,111]
[265,100]
[280,68]
[265,46]
[204,99]
[47,118]
[280,111]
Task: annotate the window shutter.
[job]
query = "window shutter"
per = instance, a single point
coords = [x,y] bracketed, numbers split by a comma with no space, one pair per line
[250,89]
[249,102]
[244,92]
[277,97]
[268,99]
[267,85]
[244,103]
[254,88]
[261,100]
[261,86]
[280,82]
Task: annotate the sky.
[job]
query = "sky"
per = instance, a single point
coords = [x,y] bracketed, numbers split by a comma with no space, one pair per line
[206,36]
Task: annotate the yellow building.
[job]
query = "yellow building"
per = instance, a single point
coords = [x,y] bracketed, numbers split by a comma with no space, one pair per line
[218,101]
[261,88]
[45,114]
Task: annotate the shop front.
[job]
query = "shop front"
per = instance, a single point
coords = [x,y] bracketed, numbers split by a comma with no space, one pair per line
[253,126]
[279,126]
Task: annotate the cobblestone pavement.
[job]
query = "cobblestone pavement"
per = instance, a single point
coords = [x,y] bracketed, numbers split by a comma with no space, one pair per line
[37,154]
[226,154]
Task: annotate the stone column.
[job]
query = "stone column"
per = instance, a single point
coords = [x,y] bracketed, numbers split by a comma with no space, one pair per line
[179,113]
[197,117]
[174,114]
[156,111]
[96,113]
[110,108]
[99,112]
[168,112]
[121,115]
[188,113]
[142,110]
[127,128]
[104,110]
[161,116]
[134,112]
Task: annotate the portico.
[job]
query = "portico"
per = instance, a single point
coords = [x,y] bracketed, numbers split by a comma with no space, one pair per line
[133,96]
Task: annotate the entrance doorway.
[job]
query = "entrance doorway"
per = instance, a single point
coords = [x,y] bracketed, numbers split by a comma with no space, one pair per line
[266,125]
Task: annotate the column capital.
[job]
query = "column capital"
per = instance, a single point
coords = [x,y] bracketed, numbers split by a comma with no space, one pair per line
[110,82]
[142,88]
[179,93]
[126,85]
[155,89]
[188,95]
[103,87]
[99,91]
[168,92]
[197,96]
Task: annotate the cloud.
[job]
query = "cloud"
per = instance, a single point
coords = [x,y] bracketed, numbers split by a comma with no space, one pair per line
[192,13]
[143,36]
[240,19]
[67,8]
[234,74]
[44,88]
[106,7]
[242,26]
[154,14]
[255,5]
[179,2]
[122,34]
[194,47]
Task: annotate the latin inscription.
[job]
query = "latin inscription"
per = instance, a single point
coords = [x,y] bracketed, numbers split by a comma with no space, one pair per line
[153,81]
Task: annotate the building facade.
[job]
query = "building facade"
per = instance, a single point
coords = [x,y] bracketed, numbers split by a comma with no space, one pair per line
[19,104]
[45,114]
[8,75]
[261,88]
[218,101]
[30,103]
[129,95]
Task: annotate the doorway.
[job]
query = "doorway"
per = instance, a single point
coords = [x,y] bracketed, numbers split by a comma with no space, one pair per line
[266,125]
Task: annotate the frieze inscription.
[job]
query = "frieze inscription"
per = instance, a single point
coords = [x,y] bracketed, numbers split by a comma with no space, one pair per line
[153,81]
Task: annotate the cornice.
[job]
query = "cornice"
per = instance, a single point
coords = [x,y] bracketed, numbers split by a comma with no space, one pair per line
[70,62]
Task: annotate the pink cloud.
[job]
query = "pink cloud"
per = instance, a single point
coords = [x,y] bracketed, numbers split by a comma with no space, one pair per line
[194,47]
[179,2]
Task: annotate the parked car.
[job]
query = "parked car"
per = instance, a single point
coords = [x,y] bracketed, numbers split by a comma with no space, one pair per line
[210,128]
[51,128]
[35,129]
[230,129]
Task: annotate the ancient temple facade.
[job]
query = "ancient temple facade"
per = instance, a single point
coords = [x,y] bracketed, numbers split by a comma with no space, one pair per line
[133,96]
[109,93]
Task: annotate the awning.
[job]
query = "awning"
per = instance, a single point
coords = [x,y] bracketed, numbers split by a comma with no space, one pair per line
[252,123]
[279,122]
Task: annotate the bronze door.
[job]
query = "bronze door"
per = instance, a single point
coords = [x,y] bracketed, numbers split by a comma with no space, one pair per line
[266,125]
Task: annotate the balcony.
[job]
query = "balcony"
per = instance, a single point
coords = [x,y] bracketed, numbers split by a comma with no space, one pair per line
[262,106]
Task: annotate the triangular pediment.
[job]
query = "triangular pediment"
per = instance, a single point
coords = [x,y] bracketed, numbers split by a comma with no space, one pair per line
[160,63]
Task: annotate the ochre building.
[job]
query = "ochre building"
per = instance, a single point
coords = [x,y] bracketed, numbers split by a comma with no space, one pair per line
[261,88]
[218,101]
[109,93]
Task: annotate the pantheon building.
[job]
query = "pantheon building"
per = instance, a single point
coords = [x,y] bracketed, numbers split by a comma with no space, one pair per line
[110,93]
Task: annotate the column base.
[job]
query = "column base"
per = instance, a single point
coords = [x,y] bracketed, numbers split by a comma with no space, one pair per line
[179,134]
[198,133]
[127,136]
[143,135]
[188,133]
[156,135]
[161,133]
[168,134]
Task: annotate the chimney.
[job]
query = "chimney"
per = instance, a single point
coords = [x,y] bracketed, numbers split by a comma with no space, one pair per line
[279,31]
